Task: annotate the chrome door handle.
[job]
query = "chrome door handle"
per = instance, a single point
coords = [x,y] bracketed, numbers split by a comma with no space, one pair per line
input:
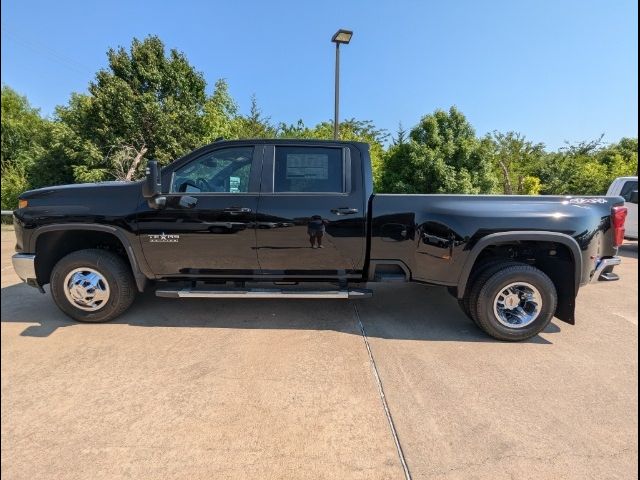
[344,211]
[235,210]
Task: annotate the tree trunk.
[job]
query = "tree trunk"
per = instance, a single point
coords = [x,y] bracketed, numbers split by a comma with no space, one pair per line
[136,162]
[507,182]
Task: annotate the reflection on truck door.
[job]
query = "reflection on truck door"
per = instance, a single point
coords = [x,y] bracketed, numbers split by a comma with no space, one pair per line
[311,219]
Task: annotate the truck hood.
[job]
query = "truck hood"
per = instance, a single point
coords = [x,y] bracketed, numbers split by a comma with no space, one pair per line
[87,202]
[82,188]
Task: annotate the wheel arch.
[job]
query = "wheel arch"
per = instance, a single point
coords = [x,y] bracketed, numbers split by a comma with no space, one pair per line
[45,260]
[566,293]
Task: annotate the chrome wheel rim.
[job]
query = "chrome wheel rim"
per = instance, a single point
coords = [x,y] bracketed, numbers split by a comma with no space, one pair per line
[86,289]
[517,305]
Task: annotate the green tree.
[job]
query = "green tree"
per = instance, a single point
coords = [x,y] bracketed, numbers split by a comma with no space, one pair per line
[146,102]
[443,156]
[516,162]
[254,125]
[21,145]
[401,135]
[14,182]
[66,158]
[220,114]
[621,158]
[588,167]
[22,130]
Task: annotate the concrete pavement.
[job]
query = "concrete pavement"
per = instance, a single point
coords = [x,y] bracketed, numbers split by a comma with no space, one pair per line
[563,405]
[285,389]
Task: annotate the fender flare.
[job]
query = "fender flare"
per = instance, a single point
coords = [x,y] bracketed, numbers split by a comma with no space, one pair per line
[140,278]
[507,237]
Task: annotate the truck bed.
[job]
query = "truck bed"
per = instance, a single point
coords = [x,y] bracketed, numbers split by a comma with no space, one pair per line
[433,234]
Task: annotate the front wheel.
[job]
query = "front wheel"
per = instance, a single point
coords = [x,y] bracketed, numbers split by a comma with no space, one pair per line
[92,285]
[515,303]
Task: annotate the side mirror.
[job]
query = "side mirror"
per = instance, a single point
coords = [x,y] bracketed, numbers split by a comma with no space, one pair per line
[152,187]
[633,198]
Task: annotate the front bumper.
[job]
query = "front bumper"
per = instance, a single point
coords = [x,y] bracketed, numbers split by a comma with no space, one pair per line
[25,266]
[602,265]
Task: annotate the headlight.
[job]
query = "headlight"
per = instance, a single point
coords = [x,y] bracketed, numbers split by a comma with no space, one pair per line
[22,203]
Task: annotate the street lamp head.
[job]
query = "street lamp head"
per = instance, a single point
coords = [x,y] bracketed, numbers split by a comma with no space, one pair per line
[342,36]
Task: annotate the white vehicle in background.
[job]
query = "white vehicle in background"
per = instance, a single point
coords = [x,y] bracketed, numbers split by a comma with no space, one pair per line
[627,188]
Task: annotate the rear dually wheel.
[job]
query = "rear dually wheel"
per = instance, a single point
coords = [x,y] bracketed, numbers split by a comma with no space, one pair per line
[513,302]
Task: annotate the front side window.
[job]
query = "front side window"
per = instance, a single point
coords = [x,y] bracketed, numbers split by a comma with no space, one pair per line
[308,170]
[222,171]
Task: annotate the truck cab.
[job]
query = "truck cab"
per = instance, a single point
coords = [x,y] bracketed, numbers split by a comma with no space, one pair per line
[252,209]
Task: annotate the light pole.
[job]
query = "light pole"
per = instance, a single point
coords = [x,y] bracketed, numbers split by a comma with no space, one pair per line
[341,36]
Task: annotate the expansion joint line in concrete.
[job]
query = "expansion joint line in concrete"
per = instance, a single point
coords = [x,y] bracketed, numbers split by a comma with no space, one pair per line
[387,412]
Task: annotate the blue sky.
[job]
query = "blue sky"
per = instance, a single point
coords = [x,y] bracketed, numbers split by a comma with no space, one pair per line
[553,70]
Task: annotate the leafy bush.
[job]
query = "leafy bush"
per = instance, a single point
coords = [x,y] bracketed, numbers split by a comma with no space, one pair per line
[14,182]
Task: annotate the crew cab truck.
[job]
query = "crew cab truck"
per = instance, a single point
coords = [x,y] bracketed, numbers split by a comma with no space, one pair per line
[297,215]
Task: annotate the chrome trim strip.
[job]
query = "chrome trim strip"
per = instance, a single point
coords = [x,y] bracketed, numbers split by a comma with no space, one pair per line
[602,264]
[24,266]
[262,293]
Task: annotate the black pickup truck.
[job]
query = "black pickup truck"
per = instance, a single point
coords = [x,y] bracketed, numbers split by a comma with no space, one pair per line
[299,219]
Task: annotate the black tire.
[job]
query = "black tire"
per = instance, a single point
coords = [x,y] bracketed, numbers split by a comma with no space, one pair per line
[495,279]
[462,303]
[469,302]
[115,271]
[464,306]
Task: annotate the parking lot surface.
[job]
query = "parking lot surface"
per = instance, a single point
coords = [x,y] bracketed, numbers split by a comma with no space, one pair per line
[288,389]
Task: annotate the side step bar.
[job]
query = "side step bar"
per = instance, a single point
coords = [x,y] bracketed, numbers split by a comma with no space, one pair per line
[601,265]
[351,293]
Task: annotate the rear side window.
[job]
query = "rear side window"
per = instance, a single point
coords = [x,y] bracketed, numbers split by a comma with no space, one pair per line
[308,170]
[627,188]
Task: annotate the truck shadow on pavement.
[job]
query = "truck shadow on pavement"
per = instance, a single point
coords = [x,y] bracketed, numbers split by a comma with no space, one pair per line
[628,249]
[408,312]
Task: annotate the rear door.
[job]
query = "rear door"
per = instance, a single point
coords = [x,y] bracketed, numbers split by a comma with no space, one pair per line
[311,214]
[216,235]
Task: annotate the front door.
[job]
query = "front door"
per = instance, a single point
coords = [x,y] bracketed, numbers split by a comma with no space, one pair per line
[311,215]
[216,236]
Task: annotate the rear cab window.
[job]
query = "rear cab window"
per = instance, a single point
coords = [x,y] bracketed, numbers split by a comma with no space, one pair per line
[308,170]
[628,187]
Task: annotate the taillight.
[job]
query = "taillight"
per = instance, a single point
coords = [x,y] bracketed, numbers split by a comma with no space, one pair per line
[618,216]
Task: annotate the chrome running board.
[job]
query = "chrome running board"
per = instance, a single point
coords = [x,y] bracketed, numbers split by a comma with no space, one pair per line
[262,293]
